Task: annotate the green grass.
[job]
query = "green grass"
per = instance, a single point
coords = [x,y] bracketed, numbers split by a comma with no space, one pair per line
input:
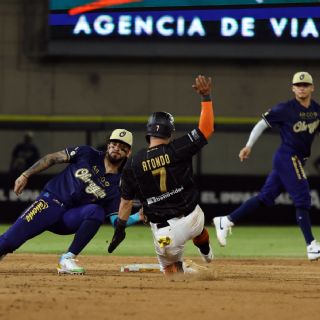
[245,242]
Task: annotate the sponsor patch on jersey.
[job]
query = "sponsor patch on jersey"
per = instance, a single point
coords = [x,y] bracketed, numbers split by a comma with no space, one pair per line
[195,134]
[164,196]
[72,153]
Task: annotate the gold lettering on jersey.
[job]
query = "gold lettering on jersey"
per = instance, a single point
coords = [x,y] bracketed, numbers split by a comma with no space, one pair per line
[95,169]
[308,115]
[155,162]
[303,126]
[92,188]
[105,182]
[36,208]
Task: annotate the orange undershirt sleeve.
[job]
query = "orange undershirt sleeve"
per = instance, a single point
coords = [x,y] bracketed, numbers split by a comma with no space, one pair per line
[206,121]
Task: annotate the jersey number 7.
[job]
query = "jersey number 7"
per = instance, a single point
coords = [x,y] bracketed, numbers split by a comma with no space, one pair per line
[163,178]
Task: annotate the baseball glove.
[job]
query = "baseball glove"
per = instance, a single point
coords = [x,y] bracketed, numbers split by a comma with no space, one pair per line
[118,236]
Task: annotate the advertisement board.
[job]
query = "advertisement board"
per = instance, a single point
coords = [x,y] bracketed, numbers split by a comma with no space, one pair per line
[187,29]
[219,195]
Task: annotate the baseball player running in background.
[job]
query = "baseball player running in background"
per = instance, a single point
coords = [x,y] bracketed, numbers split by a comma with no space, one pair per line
[162,179]
[298,120]
[75,201]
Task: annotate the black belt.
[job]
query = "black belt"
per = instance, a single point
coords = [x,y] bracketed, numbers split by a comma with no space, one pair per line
[162,224]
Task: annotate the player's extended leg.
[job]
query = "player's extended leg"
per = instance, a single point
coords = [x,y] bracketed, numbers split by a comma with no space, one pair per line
[170,239]
[84,222]
[297,185]
[33,221]
[203,243]
[269,192]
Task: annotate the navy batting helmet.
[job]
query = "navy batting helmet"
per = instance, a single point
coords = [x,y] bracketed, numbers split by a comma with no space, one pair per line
[160,124]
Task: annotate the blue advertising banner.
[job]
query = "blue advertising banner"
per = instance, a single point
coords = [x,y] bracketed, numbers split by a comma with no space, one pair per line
[71,4]
[275,31]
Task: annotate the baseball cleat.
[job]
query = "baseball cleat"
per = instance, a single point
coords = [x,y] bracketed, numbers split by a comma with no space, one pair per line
[313,250]
[69,266]
[191,267]
[207,257]
[223,227]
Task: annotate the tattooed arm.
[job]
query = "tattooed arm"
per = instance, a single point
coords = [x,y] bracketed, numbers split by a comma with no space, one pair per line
[41,165]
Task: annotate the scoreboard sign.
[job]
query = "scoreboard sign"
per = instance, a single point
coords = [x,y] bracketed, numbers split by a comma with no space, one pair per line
[195,28]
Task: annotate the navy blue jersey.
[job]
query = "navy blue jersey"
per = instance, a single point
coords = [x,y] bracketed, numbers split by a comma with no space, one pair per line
[298,125]
[162,178]
[84,181]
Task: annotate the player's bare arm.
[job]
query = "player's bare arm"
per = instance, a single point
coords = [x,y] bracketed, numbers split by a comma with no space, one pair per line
[125,209]
[44,163]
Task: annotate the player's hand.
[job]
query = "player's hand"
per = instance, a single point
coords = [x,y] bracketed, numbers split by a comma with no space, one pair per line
[203,85]
[244,153]
[118,236]
[20,184]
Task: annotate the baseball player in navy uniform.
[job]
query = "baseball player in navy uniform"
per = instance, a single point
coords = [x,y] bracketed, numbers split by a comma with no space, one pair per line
[298,121]
[161,177]
[76,201]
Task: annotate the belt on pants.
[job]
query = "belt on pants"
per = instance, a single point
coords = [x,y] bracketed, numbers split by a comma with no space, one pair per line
[162,224]
[48,195]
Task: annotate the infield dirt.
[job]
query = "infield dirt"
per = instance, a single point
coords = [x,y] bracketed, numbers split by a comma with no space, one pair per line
[229,289]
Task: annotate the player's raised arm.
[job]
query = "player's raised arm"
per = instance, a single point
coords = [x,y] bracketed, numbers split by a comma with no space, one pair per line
[42,164]
[203,86]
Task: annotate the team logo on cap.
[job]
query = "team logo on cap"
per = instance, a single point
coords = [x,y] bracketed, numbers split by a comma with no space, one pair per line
[301,76]
[122,134]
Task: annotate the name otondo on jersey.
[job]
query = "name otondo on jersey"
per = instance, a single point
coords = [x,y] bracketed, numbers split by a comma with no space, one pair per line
[92,188]
[36,208]
[155,162]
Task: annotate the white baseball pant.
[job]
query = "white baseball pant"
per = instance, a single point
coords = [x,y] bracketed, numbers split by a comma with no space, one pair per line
[170,241]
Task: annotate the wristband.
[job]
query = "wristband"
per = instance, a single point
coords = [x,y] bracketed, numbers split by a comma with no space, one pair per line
[121,224]
[206,97]
[24,175]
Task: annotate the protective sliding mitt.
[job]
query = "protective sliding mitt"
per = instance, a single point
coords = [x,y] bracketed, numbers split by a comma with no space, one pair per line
[119,235]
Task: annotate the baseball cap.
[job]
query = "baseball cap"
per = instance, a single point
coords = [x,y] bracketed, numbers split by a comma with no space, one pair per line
[302,77]
[121,135]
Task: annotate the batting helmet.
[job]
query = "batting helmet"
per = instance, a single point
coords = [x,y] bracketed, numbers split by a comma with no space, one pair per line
[160,124]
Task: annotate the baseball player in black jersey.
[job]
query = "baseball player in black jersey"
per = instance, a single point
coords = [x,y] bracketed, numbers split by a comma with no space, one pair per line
[161,177]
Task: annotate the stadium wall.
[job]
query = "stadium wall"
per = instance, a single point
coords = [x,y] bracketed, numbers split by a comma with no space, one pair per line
[33,85]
